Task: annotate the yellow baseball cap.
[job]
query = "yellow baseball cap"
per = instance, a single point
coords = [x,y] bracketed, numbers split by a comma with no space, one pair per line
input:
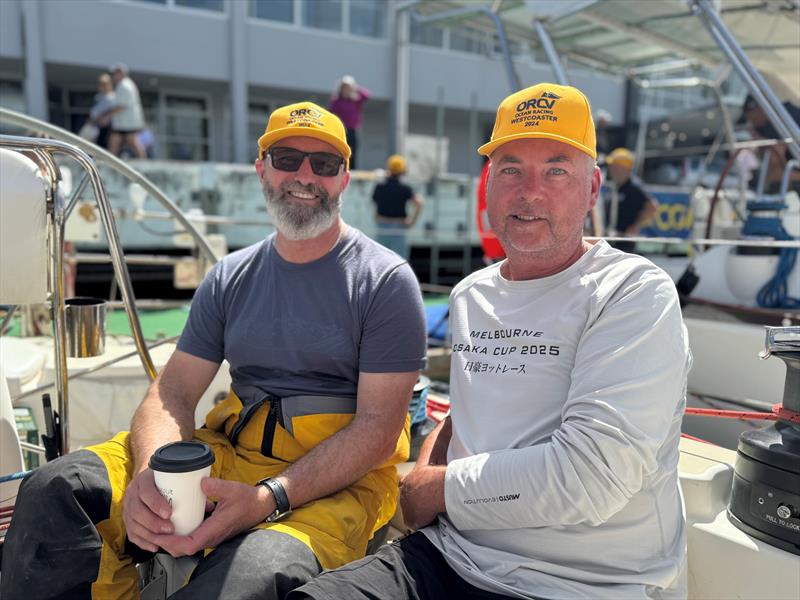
[304,119]
[621,156]
[546,110]
[396,164]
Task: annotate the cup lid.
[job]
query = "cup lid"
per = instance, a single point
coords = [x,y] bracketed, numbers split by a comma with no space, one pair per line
[181,457]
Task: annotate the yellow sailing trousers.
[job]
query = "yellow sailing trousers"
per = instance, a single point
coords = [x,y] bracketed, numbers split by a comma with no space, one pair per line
[267,437]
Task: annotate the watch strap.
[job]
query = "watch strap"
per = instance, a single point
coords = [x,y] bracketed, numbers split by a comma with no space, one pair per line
[282,506]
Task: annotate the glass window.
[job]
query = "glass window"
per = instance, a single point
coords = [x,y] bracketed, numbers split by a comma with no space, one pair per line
[323,14]
[426,34]
[11,96]
[186,128]
[467,39]
[193,151]
[184,103]
[153,1]
[218,5]
[257,116]
[368,17]
[274,10]
[150,108]
[80,103]
[514,47]
[55,107]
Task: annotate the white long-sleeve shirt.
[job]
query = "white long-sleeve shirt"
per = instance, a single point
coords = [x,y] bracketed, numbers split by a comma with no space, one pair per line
[567,394]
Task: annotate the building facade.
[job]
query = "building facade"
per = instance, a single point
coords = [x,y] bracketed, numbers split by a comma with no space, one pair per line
[210,71]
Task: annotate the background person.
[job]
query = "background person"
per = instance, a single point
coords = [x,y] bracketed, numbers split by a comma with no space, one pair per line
[555,475]
[391,198]
[101,112]
[602,135]
[761,128]
[324,332]
[127,116]
[347,103]
[635,208]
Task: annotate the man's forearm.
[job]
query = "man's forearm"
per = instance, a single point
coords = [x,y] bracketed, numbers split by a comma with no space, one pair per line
[338,461]
[434,449]
[422,490]
[163,416]
[646,215]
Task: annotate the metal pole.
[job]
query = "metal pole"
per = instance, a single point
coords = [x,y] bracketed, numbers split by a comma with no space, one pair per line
[104,156]
[35,82]
[43,148]
[513,78]
[73,199]
[727,123]
[55,236]
[641,142]
[237,50]
[550,51]
[437,172]
[763,94]
[762,174]
[7,319]
[402,61]
[792,164]
[469,217]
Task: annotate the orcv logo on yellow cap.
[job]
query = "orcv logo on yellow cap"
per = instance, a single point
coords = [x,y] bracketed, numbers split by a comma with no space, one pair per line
[545,111]
[308,120]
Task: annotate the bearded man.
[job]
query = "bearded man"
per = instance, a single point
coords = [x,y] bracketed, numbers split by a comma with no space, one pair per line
[324,333]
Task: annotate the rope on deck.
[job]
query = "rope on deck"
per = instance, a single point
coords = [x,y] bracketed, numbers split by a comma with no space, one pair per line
[13,476]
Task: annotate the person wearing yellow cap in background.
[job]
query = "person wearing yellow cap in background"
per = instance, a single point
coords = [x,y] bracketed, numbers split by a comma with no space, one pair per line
[555,475]
[324,332]
[633,208]
[391,198]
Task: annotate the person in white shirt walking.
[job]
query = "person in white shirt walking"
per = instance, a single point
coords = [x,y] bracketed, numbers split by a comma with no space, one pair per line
[555,475]
[127,117]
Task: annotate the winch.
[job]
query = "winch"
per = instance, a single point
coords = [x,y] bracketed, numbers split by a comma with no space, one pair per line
[765,499]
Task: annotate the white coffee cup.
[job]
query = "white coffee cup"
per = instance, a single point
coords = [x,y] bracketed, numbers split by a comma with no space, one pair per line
[178,469]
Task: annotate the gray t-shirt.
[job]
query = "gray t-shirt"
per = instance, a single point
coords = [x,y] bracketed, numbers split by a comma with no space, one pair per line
[289,329]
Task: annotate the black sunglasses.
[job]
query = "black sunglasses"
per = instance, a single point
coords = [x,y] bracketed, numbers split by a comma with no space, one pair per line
[323,164]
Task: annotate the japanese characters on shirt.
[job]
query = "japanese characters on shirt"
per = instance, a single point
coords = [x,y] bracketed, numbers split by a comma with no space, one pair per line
[505,352]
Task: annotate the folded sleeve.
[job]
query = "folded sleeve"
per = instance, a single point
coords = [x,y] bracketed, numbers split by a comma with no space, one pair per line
[204,333]
[393,338]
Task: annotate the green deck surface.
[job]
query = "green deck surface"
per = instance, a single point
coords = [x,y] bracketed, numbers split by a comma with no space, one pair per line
[155,323]
[169,322]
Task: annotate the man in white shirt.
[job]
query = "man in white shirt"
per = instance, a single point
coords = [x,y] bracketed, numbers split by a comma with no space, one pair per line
[555,476]
[127,116]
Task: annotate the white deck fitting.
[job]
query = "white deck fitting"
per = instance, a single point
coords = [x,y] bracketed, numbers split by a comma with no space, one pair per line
[725,562]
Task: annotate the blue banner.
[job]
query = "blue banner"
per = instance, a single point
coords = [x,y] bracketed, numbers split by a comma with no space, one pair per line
[674,217]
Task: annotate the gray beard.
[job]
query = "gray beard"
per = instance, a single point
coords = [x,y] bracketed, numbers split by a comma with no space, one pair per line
[297,221]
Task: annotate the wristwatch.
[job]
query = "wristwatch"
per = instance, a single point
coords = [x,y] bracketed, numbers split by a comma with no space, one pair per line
[282,506]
